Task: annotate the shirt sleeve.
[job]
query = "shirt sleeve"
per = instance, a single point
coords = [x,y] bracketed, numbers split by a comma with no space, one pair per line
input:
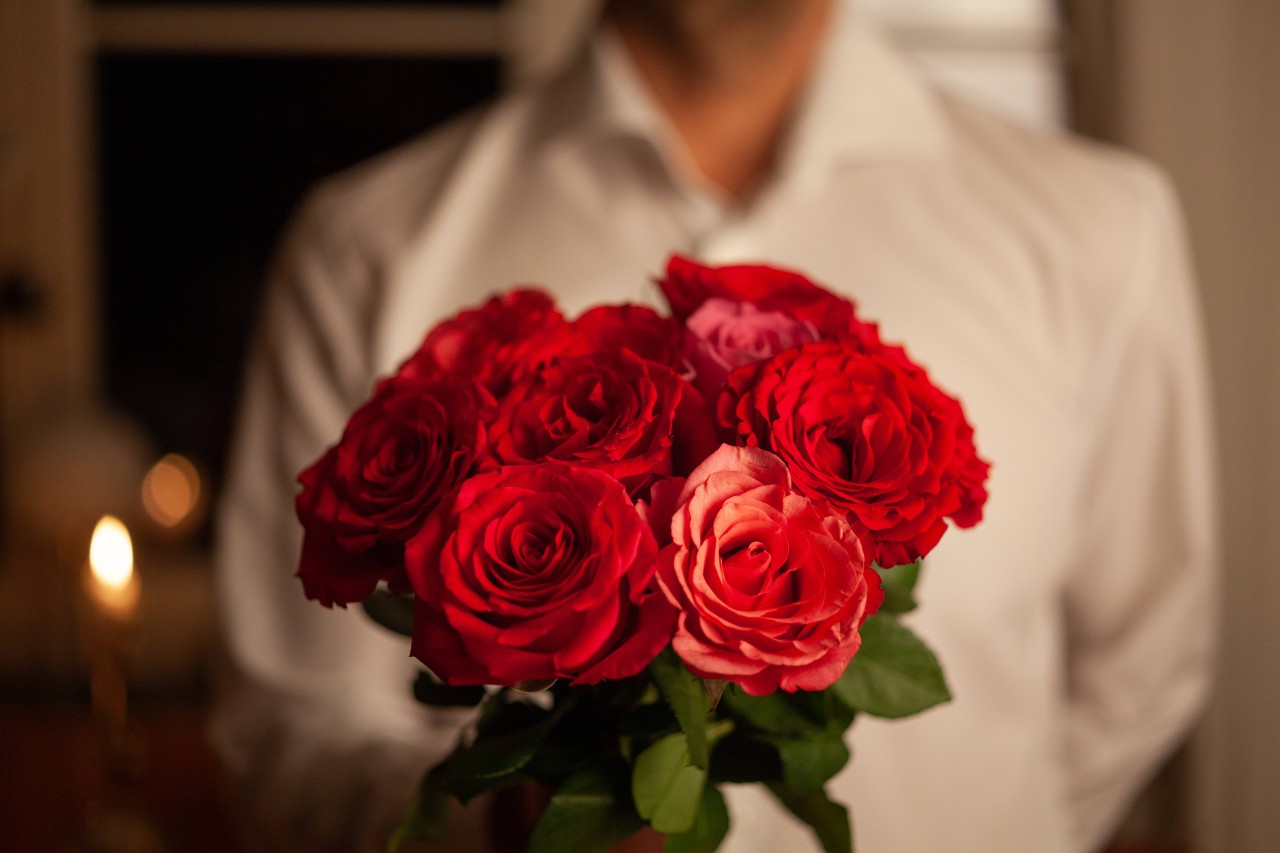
[1141,603]
[315,720]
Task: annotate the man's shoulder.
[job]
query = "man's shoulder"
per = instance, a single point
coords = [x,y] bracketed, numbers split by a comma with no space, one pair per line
[1091,217]
[383,199]
[1088,187]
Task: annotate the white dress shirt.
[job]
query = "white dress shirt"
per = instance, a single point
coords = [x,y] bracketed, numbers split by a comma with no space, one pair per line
[1041,279]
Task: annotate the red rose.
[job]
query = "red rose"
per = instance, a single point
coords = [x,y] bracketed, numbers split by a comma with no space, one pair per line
[771,586]
[688,284]
[401,453]
[631,418]
[536,572]
[490,342]
[868,432]
[611,327]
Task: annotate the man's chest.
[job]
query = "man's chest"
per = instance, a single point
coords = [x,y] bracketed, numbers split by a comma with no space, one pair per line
[971,300]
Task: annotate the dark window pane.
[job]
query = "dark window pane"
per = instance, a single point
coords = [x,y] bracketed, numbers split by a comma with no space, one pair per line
[201,161]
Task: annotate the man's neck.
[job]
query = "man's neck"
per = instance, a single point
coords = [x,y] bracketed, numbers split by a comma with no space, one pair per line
[728,74]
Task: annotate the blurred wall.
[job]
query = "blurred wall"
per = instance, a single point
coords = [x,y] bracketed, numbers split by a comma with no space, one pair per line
[1193,84]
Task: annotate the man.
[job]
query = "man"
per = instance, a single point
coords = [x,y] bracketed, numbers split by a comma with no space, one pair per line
[1043,280]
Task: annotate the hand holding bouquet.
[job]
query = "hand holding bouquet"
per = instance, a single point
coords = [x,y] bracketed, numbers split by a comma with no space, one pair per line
[687,536]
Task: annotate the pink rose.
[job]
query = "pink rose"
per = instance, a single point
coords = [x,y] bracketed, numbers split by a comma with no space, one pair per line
[689,284]
[771,586]
[727,334]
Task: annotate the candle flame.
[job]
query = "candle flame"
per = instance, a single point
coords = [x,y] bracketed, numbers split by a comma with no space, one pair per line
[111,553]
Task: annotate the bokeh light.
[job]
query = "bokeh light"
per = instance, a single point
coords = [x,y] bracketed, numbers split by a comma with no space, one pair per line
[171,490]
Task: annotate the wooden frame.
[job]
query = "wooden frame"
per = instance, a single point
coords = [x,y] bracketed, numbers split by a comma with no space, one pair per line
[332,30]
[46,210]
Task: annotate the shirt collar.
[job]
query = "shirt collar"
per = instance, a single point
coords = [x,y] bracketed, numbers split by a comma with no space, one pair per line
[865,103]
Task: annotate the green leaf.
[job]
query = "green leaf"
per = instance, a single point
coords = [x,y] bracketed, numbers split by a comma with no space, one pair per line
[589,813]
[808,762]
[509,737]
[687,695]
[709,827]
[828,819]
[667,788]
[894,674]
[467,788]
[429,690]
[426,816]
[778,712]
[899,584]
[496,755]
[391,611]
[838,715]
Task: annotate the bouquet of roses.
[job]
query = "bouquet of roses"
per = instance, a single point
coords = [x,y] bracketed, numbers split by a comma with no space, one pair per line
[659,553]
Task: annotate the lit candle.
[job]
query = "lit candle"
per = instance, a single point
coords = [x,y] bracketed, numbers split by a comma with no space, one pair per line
[113,585]
[111,590]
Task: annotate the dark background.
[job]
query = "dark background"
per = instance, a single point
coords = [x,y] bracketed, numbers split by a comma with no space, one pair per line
[201,160]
